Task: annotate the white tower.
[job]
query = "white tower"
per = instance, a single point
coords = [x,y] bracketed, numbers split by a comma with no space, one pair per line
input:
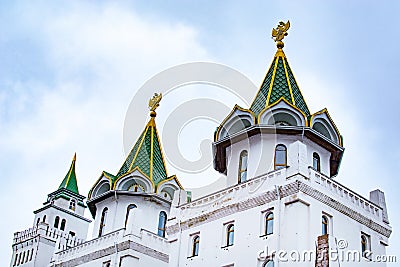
[280,194]
[58,225]
[130,209]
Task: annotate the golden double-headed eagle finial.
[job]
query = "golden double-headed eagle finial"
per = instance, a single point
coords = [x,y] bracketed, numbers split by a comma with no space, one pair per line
[154,102]
[280,32]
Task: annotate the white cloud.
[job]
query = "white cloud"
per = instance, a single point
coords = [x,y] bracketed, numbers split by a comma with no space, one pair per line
[98,56]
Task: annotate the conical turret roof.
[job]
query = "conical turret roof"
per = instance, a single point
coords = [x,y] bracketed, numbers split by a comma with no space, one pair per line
[278,83]
[146,155]
[70,183]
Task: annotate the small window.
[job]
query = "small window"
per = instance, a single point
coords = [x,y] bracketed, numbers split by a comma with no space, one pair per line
[269,223]
[63,222]
[128,211]
[243,167]
[37,222]
[162,221]
[230,235]
[103,221]
[280,160]
[325,223]
[365,245]
[23,258]
[44,218]
[106,264]
[196,246]
[72,204]
[27,256]
[316,162]
[31,255]
[71,233]
[56,222]
[269,263]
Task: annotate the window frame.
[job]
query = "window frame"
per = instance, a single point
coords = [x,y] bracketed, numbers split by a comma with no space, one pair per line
[162,231]
[103,222]
[324,225]
[63,224]
[56,222]
[72,204]
[278,166]
[230,230]
[196,246]
[128,210]
[316,158]
[267,220]
[243,155]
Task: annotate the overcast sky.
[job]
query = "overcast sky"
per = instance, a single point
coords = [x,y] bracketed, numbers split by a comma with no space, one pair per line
[69,69]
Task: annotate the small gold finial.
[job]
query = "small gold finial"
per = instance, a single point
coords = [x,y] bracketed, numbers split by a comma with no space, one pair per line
[154,102]
[74,159]
[280,32]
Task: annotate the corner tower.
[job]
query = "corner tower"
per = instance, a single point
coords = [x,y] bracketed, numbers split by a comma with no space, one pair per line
[59,224]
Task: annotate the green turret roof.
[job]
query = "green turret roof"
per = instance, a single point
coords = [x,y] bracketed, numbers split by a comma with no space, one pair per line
[278,83]
[69,181]
[146,156]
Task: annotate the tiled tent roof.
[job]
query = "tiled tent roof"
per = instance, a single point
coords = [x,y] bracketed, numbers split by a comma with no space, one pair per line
[146,155]
[70,183]
[279,82]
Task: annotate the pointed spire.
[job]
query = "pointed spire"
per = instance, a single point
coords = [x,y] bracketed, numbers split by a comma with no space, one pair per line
[279,81]
[146,155]
[70,183]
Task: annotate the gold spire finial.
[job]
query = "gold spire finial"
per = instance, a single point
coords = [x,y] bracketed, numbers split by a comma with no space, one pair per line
[74,159]
[280,32]
[154,102]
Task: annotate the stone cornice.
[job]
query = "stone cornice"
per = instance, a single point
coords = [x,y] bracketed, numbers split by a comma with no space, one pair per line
[269,196]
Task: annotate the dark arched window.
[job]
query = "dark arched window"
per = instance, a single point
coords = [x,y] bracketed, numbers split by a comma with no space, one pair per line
[325,223]
[103,221]
[196,246]
[269,263]
[72,204]
[44,218]
[56,222]
[128,210]
[230,235]
[269,223]
[242,177]
[280,160]
[37,222]
[23,258]
[162,221]
[316,162]
[63,222]
[31,255]
[364,245]
[16,259]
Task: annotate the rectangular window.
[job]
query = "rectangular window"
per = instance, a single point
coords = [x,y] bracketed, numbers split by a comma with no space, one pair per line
[107,264]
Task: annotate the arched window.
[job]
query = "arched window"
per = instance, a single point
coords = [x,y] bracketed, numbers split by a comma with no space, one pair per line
[196,246]
[280,160]
[162,221]
[128,210]
[364,245]
[31,255]
[324,225]
[63,222]
[269,223]
[242,177]
[230,235]
[37,222]
[23,258]
[269,263]
[103,221]
[44,218]
[316,162]
[72,204]
[56,222]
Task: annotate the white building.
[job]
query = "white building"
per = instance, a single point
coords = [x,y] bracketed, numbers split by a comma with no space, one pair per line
[278,198]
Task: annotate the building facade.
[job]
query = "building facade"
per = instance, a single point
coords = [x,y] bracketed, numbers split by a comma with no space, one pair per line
[278,203]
